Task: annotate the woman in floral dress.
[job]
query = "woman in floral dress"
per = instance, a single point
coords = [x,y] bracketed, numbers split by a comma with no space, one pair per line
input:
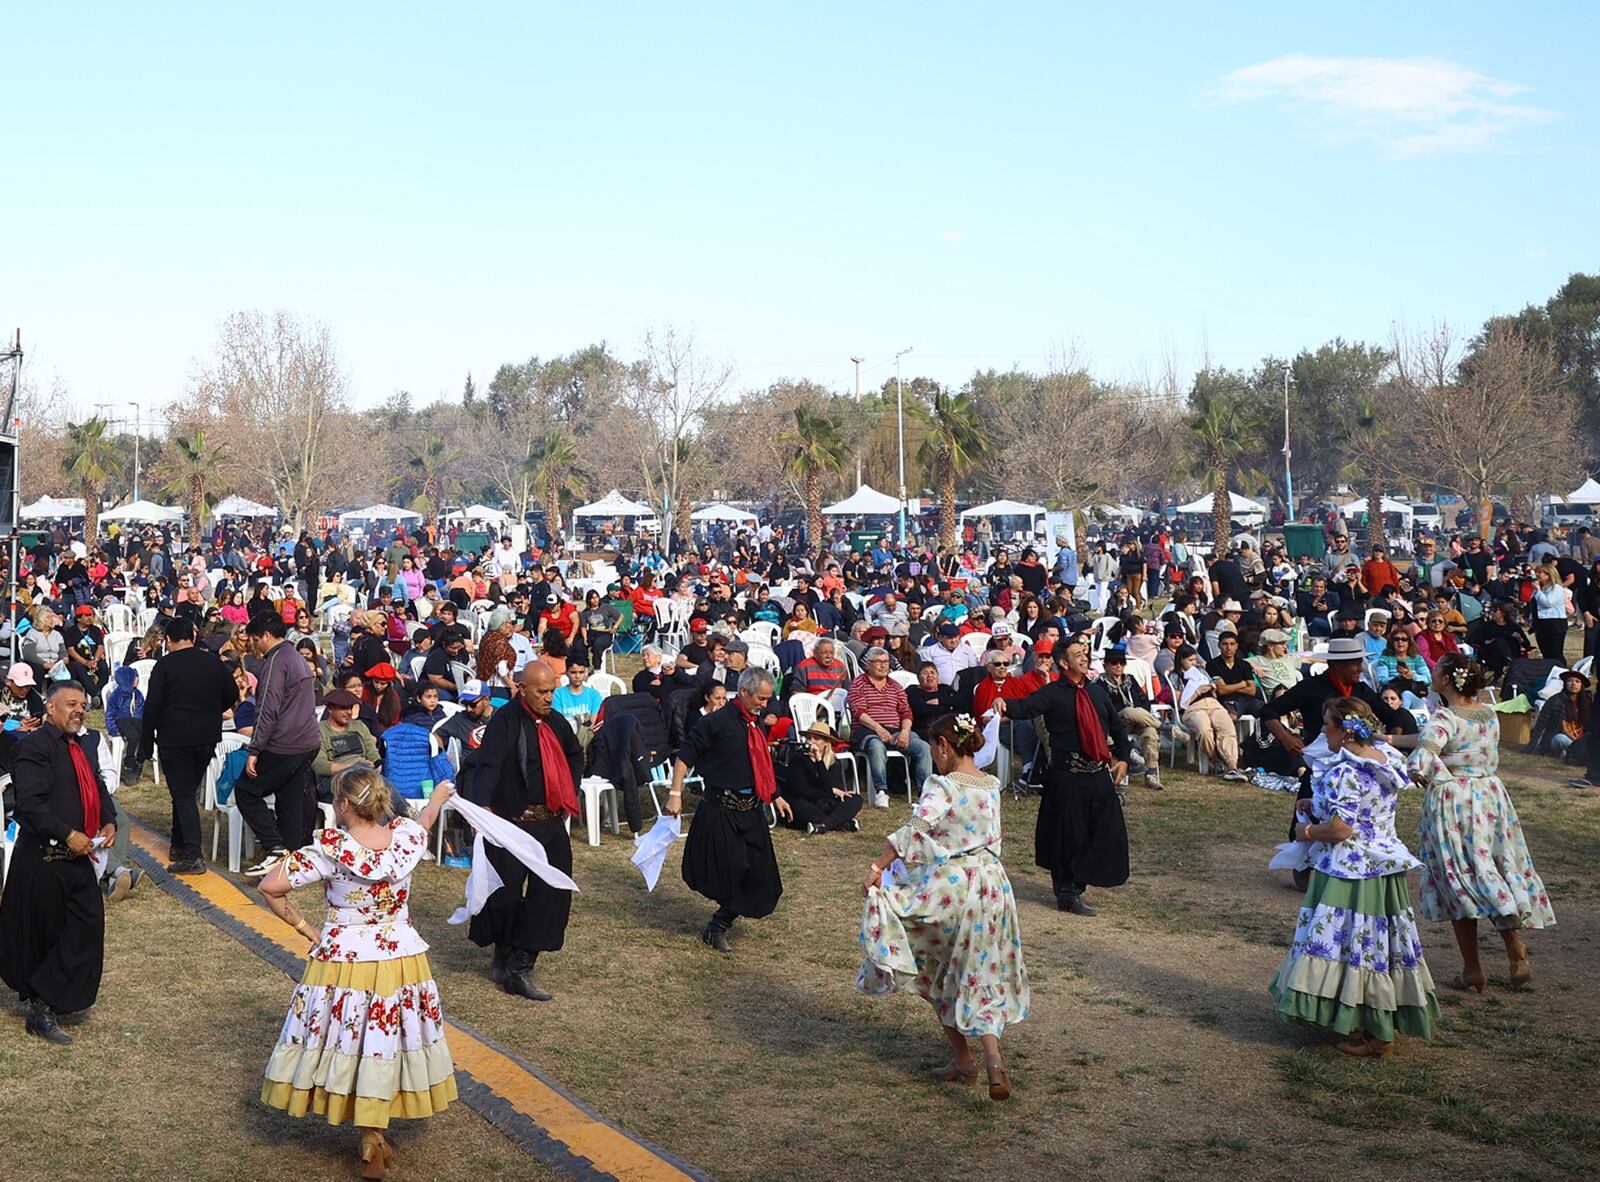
[364,1038]
[946,925]
[1356,965]
[1475,862]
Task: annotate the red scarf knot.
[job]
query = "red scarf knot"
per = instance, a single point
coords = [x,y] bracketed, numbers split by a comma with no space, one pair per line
[88,786]
[760,755]
[1091,735]
[560,794]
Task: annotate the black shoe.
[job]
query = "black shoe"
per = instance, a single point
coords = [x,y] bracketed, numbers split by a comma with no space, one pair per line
[497,968]
[187,866]
[716,937]
[42,1024]
[520,984]
[1074,905]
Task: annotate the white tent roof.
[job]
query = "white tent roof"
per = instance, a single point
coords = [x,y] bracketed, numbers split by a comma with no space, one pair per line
[614,504]
[379,513]
[237,506]
[478,513]
[143,511]
[1003,509]
[50,507]
[1587,494]
[864,500]
[1360,506]
[1125,512]
[721,512]
[1238,506]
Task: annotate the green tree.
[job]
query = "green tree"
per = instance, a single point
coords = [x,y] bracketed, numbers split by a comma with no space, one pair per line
[1224,424]
[431,464]
[553,468]
[1368,446]
[91,459]
[191,466]
[819,451]
[954,443]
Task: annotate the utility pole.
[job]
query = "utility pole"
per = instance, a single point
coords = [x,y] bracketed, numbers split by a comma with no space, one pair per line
[1288,477]
[858,361]
[900,432]
[135,406]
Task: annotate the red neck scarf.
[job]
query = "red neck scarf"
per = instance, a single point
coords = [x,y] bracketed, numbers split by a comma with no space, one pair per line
[1091,735]
[1345,689]
[88,789]
[760,756]
[560,795]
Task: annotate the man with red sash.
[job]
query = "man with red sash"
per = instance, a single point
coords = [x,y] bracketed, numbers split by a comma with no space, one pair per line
[728,856]
[1081,837]
[52,915]
[528,770]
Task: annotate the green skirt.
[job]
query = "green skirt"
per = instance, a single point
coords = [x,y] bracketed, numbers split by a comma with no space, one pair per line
[1356,962]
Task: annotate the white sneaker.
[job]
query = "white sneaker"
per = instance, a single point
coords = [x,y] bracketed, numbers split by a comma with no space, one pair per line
[881,800]
[265,867]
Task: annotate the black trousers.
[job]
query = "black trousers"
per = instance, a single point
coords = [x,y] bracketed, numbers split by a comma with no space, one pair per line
[286,777]
[830,812]
[1551,636]
[185,768]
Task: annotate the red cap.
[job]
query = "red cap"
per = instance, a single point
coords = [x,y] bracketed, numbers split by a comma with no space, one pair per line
[698,624]
[382,671]
[85,610]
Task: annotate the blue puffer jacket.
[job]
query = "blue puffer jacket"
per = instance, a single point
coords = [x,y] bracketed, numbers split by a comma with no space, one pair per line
[125,701]
[406,761]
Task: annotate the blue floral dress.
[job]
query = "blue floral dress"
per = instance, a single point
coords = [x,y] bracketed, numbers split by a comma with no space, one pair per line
[948,929]
[1475,861]
[1356,962]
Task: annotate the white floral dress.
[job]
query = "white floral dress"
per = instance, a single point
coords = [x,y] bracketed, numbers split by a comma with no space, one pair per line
[364,1038]
[1475,861]
[948,930]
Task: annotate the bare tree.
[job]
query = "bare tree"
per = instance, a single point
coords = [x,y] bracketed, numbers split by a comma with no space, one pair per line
[1502,425]
[671,394]
[276,389]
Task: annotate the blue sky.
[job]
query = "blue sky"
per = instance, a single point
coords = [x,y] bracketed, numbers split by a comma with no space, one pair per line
[453,187]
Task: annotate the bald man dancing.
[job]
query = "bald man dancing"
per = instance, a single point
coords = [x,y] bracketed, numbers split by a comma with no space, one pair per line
[529,768]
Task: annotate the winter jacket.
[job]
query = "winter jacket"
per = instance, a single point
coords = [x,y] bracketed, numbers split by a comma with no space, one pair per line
[125,700]
[407,761]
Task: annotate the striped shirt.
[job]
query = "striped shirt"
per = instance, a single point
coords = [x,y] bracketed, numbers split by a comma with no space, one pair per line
[886,705]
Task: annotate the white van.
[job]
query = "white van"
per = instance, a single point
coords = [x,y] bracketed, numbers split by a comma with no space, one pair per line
[1557,512]
[1426,518]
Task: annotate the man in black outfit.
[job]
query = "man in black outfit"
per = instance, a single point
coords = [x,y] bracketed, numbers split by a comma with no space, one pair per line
[529,767]
[1227,580]
[728,856]
[189,691]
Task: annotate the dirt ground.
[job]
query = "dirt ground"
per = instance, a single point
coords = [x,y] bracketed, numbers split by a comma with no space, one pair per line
[1151,1051]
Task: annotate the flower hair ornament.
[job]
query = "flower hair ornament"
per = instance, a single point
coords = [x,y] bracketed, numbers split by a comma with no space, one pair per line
[1357,728]
[1460,677]
[966,726]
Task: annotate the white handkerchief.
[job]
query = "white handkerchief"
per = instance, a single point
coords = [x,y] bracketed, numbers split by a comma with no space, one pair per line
[991,740]
[894,872]
[483,880]
[650,849]
[1292,855]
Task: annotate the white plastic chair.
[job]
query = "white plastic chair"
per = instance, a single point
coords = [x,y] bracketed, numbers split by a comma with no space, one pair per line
[764,658]
[593,789]
[145,669]
[119,618]
[903,679]
[976,641]
[228,813]
[761,632]
[607,684]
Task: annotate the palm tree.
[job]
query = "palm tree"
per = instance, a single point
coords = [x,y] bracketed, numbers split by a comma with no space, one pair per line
[1224,428]
[192,464]
[819,450]
[432,462]
[955,443]
[553,467]
[91,460]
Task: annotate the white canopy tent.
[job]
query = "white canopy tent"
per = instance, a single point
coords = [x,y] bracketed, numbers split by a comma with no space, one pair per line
[1586,494]
[143,511]
[865,501]
[49,508]
[479,513]
[721,512]
[614,504]
[378,513]
[1122,513]
[1242,508]
[1358,507]
[1004,508]
[237,506]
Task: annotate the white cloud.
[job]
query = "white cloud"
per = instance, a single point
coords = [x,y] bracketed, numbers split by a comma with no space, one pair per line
[951,236]
[1406,106]
[1534,250]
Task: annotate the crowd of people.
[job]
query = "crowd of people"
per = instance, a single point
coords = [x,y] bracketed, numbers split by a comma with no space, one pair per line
[375,678]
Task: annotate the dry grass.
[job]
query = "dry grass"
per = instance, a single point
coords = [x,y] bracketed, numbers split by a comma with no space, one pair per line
[1151,1051]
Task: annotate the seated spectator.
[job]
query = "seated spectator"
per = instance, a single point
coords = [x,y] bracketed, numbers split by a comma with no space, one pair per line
[1376,637]
[928,700]
[1401,666]
[1313,606]
[1274,668]
[948,654]
[814,787]
[124,711]
[1435,642]
[820,673]
[800,620]
[576,700]
[695,655]
[1131,701]
[346,742]
[1204,717]
[1173,638]
[1561,728]
[242,718]
[881,716]
[424,709]
[1233,677]
[1021,738]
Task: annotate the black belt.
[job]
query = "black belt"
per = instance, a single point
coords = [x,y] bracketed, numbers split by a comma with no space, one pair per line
[536,812]
[738,802]
[1082,765]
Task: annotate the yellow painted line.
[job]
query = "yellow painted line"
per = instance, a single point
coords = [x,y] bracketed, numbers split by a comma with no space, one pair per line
[609,1150]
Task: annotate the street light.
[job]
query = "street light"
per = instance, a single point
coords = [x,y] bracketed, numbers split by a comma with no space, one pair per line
[135,406]
[900,431]
[858,361]
[1288,477]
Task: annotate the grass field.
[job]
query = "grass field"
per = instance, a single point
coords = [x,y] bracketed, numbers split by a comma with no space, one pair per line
[1151,1051]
